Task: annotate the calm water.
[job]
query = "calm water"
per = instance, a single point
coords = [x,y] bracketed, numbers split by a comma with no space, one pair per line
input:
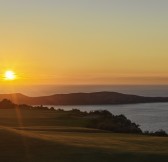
[43,90]
[149,116]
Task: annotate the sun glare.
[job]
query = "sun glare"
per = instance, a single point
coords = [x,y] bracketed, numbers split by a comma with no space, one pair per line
[10,75]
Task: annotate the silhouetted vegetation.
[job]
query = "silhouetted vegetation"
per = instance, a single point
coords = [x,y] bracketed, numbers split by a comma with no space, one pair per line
[99,119]
[160,133]
[7,104]
[106,121]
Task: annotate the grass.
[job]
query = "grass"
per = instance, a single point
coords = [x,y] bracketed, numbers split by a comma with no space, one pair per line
[32,136]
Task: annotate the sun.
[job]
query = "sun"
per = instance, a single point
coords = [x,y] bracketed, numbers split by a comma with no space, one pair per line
[9,75]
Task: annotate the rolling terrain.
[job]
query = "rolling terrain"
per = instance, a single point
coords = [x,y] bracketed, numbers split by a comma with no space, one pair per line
[96,98]
[48,136]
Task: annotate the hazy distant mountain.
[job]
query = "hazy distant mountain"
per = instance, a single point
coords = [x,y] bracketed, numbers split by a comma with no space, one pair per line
[96,98]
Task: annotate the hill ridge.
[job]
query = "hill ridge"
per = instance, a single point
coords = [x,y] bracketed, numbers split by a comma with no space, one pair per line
[93,98]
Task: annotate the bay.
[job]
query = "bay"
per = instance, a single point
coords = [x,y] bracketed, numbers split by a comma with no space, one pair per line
[150,116]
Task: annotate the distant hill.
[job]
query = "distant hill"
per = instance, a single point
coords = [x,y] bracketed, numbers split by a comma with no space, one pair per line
[96,98]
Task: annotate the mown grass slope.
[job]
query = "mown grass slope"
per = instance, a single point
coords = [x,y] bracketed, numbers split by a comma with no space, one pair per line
[32,136]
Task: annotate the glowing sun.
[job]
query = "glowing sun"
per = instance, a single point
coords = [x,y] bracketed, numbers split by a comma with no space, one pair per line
[9,75]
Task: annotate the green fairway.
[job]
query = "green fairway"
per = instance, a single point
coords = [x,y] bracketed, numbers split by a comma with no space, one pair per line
[44,136]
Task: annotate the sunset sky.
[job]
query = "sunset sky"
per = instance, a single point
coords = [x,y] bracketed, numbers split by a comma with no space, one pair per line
[84,41]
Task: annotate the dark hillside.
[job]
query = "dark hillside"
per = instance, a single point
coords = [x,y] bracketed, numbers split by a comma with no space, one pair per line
[96,98]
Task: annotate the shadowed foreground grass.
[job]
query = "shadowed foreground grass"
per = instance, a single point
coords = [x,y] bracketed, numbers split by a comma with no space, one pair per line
[54,140]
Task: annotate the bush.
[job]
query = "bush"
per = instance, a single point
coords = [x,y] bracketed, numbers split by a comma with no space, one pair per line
[161,133]
[106,121]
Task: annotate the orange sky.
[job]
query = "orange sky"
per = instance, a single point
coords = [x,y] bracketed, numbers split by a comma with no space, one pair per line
[91,42]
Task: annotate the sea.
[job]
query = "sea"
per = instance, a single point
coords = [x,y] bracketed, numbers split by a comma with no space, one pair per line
[150,116]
